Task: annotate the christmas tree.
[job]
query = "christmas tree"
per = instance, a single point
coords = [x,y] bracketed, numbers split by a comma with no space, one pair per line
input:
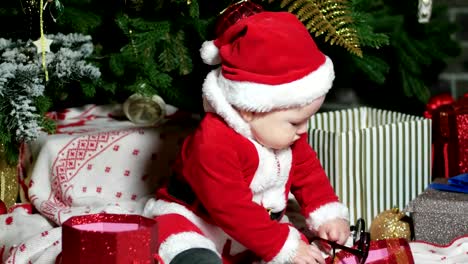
[25,96]
[380,49]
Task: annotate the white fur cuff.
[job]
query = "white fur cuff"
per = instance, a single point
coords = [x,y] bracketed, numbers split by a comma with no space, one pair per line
[325,213]
[288,251]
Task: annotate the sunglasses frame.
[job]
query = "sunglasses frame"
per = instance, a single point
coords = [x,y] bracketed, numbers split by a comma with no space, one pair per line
[362,242]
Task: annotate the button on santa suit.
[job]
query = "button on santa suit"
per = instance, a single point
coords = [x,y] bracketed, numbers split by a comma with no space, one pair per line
[225,183]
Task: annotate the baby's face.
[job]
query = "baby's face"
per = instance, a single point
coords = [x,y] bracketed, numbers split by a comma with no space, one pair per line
[279,129]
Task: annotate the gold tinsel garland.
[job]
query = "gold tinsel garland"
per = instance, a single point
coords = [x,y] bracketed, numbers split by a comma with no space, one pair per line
[8,181]
[43,41]
[329,17]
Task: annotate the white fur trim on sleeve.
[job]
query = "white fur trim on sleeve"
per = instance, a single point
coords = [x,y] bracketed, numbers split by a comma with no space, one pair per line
[210,53]
[325,213]
[288,251]
[177,243]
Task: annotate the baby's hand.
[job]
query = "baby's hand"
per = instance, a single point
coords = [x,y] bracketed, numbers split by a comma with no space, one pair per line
[336,230]
[308,254]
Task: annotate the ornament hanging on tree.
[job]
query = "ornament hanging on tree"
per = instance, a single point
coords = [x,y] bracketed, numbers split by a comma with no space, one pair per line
[55,8]
[43,44]
[145,110]
[424,11]
[234,13]
[391,224]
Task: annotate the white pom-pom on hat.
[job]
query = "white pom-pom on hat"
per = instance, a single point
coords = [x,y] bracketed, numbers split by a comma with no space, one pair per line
[210,53]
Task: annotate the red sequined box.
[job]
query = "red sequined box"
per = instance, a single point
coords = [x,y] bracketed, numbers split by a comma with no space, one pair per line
[450,135]
[109,238]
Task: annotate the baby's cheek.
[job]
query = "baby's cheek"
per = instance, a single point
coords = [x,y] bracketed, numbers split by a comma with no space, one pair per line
[285,138]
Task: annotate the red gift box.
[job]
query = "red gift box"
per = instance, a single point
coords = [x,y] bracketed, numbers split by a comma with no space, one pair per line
[449,135]
[109,238]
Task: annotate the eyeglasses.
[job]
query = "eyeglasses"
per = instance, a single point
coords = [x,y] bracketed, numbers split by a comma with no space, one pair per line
[361,241]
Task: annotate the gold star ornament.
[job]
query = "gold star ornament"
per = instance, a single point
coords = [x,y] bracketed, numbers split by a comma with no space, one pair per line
[43,44]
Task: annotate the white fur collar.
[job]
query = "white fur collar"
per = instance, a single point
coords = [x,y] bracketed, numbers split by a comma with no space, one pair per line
[215,96]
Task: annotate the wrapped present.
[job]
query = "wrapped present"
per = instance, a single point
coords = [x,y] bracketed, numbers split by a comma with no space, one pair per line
[3,208]
[375,159]
[109,238]
[454,184]
[450,135]
[385,251]
[439,216]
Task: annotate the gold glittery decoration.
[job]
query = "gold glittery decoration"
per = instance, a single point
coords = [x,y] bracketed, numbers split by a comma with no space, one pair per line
[389,224]
[329,17]
[8,181]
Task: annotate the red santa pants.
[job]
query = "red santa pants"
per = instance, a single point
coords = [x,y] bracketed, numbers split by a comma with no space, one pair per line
[176,234]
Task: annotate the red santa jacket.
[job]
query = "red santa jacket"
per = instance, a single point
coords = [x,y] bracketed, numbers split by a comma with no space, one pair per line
[235,181]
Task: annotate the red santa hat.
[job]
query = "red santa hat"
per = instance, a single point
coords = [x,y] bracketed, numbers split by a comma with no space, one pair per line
[267,61]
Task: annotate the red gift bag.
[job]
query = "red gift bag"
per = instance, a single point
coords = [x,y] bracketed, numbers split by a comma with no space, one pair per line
[449,135]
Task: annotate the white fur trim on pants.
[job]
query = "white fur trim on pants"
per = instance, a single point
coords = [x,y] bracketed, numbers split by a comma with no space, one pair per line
[177,243]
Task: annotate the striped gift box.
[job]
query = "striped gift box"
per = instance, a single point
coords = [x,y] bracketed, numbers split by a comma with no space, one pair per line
[375,159]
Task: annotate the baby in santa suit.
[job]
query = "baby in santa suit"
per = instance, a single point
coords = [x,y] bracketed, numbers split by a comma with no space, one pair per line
[226,201]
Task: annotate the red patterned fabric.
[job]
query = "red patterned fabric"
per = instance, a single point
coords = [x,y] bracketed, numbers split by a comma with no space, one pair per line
[94,163]
[454,252]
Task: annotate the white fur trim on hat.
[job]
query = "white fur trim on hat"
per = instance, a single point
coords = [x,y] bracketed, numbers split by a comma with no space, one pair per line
[326,213]
[210,53]
[258,97]
[216,99]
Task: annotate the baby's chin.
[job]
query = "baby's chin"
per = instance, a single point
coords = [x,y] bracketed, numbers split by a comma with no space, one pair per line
[274,144]
[277,146]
